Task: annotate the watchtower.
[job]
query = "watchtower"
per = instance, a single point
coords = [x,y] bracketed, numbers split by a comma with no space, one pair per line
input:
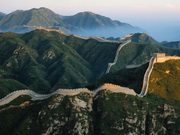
[159,57]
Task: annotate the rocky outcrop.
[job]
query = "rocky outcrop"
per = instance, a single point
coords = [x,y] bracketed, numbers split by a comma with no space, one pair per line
[85,114]
[130,116]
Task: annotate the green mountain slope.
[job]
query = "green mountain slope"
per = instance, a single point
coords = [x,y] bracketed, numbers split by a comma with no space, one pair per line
[131,78]
[91,24]
[164,80]
[20,20]
[9,85]
[175,45]
[136,53]
[45,61]
[139,37]
[122,114]
[89,20]
[107,113]
[136,37]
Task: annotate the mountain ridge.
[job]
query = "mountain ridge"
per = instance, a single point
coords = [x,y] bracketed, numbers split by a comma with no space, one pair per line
[45,60]
[33,17]
[83,23]
[174,44]
[52,59]
[2,15]
[136,37]
[163,80]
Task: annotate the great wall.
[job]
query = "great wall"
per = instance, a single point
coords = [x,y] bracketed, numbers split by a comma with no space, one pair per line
[116,56]
[156,58]
[61,32]
[35,96]
[146,77]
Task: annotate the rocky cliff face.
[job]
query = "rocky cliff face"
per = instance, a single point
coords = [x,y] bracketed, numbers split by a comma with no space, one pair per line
[106,113]
[132,115]
[58,115]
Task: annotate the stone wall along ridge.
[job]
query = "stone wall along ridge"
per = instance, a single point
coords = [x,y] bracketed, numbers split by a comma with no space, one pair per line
[116,56]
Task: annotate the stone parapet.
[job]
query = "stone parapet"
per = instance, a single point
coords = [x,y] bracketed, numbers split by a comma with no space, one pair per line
[156,58]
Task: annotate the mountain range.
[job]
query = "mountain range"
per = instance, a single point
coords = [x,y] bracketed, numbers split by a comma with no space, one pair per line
[105,113]
[83,23]
[45,60]
[44,54]
[136,37]
[175,44]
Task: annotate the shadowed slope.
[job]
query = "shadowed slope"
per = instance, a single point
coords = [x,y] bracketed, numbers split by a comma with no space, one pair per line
[47,60]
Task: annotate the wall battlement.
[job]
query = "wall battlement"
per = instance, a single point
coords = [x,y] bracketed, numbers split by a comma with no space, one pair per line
[35,96]
[156,58]
[165,58]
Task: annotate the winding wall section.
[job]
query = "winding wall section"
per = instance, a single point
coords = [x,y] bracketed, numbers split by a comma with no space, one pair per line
[152,61]
[146,77]
[116,56]
[35,96]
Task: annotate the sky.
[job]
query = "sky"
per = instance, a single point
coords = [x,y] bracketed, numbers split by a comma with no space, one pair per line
[154,16]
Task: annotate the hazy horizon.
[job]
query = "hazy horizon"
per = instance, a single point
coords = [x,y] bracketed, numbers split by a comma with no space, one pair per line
[159,18]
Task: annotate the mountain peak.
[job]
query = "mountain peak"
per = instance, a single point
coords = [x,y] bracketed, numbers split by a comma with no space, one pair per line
[86,13]
[41,8]
[30,10]
[84,23]
[139,37]
[16,20]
